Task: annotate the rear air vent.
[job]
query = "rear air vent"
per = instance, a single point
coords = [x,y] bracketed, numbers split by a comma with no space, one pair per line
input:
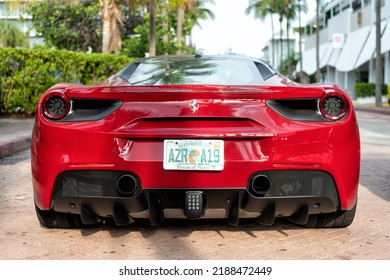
[91,109]
[305,109]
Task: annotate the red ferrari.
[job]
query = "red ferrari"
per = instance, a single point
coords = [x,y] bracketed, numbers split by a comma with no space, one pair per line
[195,137]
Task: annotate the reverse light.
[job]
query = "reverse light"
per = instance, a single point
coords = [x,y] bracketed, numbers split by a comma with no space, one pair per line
[193,206]
[333,106]
[56,105]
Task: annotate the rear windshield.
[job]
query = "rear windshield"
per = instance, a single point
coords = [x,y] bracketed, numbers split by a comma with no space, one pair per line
[192,70]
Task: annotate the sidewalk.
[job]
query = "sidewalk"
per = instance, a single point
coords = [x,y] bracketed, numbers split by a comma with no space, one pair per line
[372,109]
[15,134]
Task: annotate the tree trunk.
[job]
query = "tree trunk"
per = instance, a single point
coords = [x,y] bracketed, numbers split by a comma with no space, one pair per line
[300,45]
[112,19]
[378,88]
[287,14]
[152,30]
[273,42]
[116,40]
[179,27]
[107,15]
[165,24]
[318,73]
[288,51]
[281,43]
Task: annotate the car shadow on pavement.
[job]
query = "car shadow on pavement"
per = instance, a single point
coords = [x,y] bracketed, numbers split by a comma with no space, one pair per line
[12,160]
[187,227]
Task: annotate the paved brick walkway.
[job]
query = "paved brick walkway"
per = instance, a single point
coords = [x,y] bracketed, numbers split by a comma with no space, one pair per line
[21,236]
[368,237]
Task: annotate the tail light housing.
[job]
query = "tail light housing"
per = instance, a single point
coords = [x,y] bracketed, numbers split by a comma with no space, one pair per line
[333,105]
[56,105]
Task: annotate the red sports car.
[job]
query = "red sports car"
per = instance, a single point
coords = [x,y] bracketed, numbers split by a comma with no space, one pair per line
[195,137]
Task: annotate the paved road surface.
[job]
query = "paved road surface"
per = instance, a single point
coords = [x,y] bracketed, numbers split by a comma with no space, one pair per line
[368,237]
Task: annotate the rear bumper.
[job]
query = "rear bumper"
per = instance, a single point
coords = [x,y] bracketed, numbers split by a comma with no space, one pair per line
[294,194]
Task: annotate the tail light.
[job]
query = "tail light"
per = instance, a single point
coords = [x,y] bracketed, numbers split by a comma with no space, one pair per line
[56,105]
[333,105]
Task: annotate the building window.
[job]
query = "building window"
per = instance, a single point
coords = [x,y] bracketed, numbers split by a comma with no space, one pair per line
[356,5]
[336,10]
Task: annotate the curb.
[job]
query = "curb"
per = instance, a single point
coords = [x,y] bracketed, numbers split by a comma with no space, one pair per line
[14,146]
[377,110]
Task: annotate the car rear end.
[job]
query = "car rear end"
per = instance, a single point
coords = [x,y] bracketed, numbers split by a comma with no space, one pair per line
[195,151]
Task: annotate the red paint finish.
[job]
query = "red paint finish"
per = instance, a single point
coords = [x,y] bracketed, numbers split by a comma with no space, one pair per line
[256,138]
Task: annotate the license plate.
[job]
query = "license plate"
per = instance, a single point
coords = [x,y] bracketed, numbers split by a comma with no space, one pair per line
[194,155]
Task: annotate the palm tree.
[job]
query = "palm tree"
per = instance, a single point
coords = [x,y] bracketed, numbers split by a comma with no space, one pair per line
[112,19]
[261,9]
[198,13]
[279,8]
[165,23]
[378,88]
[318,73]
[164,14]
[291,7]
[189,11]
[182,6]
[300,39]
[152,7]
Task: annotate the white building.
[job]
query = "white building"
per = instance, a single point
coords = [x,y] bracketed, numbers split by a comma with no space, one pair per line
[276,50]
[347,43]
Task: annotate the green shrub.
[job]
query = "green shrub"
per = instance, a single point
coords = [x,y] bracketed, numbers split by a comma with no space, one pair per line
[26,74]
[368,89]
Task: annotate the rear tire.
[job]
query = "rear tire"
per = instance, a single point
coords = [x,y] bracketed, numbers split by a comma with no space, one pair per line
[339,219]
[52,219]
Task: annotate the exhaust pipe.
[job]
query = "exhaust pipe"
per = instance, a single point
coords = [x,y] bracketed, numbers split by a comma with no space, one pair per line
[127,184]
[259,185]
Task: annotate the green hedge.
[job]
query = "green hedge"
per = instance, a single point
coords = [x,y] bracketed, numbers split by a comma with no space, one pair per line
[368,89]
[26,74]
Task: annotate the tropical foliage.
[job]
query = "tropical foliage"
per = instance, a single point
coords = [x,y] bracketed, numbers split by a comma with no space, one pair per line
[171,33]
[11,36]
[110,26]
[286,11]
[89,26]
[26,74]
[70,25]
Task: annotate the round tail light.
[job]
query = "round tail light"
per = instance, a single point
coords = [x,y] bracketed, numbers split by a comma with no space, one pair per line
[56,105]
[333,106]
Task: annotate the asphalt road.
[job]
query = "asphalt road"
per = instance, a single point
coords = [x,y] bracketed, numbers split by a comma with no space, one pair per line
[374,128]
[368,238]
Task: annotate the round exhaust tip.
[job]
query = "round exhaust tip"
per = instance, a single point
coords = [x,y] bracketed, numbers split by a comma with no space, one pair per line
[260,185]
[127,184]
